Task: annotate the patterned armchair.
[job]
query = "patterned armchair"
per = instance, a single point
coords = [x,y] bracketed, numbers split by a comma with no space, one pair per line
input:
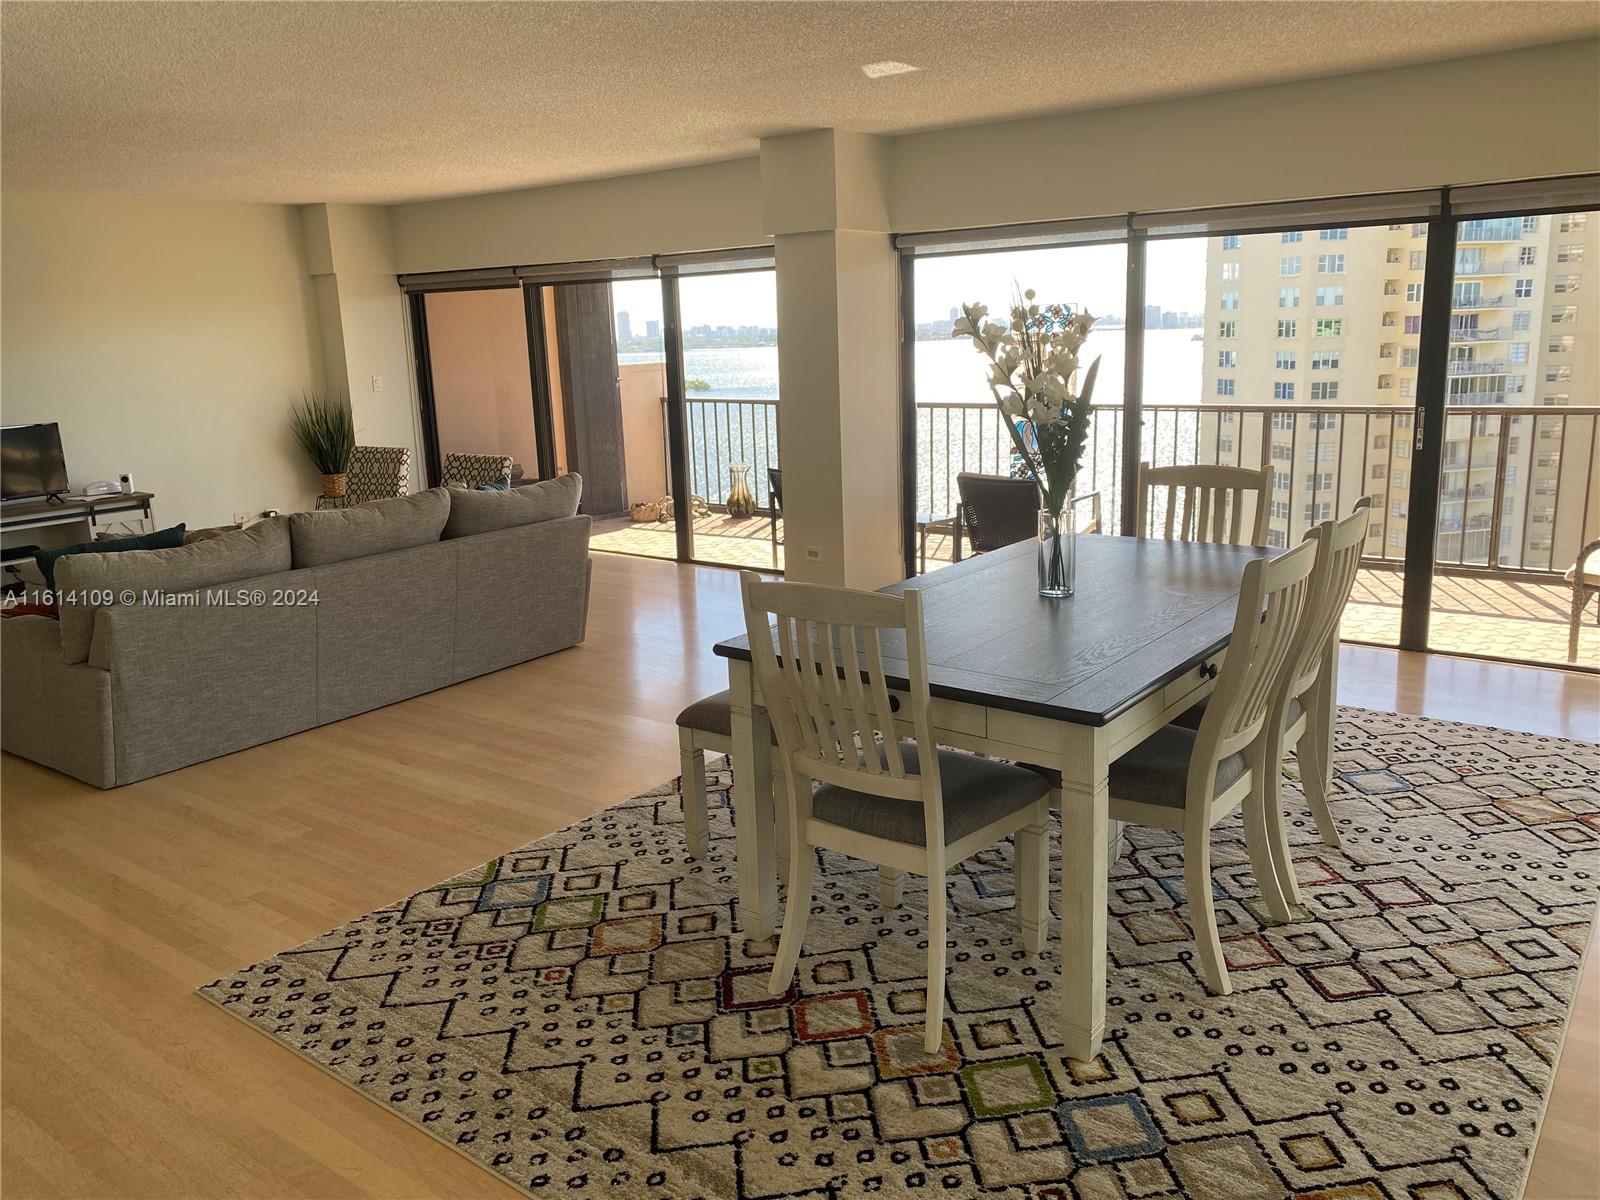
[469,470]
[378,473]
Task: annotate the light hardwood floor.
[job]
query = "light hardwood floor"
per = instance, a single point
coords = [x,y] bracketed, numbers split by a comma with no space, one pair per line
[120,1082]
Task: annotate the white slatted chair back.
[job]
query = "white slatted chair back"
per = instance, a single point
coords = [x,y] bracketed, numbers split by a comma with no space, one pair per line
[818,657]
[1273,600]
[1203,504]
[1338,546]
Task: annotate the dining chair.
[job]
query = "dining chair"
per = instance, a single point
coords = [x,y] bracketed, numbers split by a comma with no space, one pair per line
[1585,581]
[1186,780]
[707,725]
[775,502]
[1307,707]
[855,787]
[1203,504]
[996,510]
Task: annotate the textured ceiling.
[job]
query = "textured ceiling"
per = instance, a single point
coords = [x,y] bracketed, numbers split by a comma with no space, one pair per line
[297,102]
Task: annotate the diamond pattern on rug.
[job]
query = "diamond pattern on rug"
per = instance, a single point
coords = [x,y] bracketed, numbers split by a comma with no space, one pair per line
[582,1014]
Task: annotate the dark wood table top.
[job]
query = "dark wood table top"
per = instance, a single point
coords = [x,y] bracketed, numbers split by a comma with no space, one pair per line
[1145,613]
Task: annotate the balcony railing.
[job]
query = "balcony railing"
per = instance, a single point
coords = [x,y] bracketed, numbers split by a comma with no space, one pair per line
[725,432]
[1479,366]
[1476,302]
[1328,454]
[1496,334]
[1499,459]
[1498,229]
[1475,266]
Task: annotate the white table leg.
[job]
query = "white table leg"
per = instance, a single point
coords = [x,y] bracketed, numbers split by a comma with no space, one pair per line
[752,806]
[1084,804]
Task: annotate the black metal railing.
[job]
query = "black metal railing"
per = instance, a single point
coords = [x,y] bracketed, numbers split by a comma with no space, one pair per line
[726,432]
[1519,478]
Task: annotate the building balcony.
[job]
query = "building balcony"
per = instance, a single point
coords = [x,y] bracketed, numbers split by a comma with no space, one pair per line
[1498,333]
[1472,268]
[1481,366]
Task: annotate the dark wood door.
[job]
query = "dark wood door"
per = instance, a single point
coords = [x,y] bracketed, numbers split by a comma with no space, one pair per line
[592,397]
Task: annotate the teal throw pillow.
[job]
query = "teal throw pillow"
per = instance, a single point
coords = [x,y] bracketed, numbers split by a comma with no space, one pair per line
[161,539]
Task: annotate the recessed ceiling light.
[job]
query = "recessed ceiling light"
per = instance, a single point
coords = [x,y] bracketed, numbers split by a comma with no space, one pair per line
[878,70]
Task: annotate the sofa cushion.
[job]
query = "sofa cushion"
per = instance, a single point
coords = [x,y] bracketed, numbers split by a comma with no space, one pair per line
[484,512]
[376,527]
[161,539]
[89,582]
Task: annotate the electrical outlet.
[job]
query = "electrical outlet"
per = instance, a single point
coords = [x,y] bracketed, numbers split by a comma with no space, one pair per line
[239,518]
[813,554]
[377,383]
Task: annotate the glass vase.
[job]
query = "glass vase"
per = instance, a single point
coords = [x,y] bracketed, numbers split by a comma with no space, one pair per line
[1058,553]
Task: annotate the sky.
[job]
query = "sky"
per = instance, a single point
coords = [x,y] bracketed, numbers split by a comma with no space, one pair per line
[1090,276]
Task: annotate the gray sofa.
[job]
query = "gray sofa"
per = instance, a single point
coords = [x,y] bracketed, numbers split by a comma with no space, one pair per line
[162,658]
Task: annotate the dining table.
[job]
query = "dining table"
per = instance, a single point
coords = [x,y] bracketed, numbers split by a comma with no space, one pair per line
[1069,683]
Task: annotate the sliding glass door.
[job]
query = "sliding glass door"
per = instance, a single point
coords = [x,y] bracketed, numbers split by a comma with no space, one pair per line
[958,428]
[728,331]
[1295,350]
[1518,499]
[479,393]
[1439,364]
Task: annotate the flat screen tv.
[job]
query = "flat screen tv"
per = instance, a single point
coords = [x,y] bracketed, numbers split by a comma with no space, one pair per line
[31,463]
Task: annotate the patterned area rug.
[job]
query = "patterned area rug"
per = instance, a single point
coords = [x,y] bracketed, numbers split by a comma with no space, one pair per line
[581,1016]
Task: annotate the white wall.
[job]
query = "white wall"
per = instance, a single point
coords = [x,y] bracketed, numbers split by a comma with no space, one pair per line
[168,339]
[374,329]
[1516,115]
[713,207]
[1522,114]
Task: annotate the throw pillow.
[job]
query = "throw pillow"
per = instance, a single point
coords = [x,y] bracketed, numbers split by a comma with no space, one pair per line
[161,539]
[89,580]
[484,512]
[375,527]
[494,485]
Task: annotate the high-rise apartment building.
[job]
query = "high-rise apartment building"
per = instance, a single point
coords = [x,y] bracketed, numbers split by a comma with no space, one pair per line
[1315,336]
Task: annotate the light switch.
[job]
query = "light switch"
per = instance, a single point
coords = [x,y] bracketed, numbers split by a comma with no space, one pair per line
[377,383]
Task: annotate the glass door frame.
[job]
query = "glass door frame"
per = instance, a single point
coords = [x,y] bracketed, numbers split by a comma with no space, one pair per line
[1131,403]
[1430,410]
[680,474]
[538,373]
[1427,411]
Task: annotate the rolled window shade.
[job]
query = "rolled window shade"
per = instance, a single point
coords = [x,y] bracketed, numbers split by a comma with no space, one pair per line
[1035,236]
[1570,193]
[717,262]
[594,271]
[1388,207]
[458,281]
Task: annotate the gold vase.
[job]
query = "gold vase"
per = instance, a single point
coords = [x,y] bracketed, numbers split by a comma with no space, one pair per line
[741,503]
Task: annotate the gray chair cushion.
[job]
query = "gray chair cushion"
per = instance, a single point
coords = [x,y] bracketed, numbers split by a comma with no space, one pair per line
[712,714]
[976,792]
[1156,771]
[1191,719]
[377,527]
[483,512]
[263,549]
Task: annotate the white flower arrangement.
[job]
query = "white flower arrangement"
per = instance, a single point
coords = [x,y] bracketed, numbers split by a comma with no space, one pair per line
[1033,362]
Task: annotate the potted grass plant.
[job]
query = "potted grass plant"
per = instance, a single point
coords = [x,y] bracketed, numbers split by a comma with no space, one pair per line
[326,431]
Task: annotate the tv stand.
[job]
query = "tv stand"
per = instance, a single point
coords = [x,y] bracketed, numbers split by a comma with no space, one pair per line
[101,513]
